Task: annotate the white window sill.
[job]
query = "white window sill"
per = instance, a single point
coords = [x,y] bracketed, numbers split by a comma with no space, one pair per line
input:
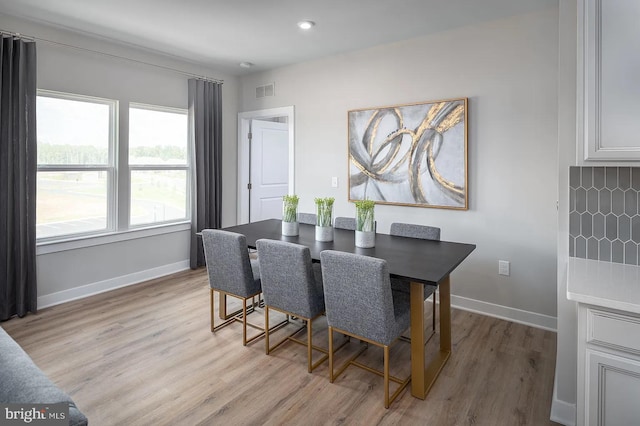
[113,237]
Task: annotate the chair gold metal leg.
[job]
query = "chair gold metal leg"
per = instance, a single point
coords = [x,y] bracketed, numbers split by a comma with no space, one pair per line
[266,329]
[212,314]
[384,373]
[386,376]
[238,316]
[331,354]
[244,322]
[231,319]
[364,345]
[309,345]
[222,307]
[291,337]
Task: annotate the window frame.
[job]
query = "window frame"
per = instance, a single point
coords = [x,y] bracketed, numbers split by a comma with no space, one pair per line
[110,168]
[154,167]
[118,169]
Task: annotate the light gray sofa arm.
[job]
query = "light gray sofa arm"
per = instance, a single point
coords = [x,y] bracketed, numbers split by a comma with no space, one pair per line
[21,381]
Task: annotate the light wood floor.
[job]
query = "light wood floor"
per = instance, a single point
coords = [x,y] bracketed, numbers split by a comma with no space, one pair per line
[144,355]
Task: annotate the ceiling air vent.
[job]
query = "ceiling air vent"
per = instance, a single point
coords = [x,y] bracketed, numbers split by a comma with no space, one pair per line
[267,90]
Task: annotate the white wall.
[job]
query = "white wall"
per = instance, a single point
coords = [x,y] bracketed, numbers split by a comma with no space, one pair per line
[508,70]
[77,272]
[563,409]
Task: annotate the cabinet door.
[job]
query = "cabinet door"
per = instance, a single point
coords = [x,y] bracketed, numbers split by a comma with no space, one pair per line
[609,79]
[612,389]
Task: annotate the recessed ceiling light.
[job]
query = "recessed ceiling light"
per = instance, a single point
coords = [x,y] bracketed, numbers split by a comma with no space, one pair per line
[246,64]
[305,25]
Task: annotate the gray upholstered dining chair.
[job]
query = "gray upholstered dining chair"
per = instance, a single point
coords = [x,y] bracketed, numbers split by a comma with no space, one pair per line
[415,231]
[348,223]
[308,218]
[360,303]
[423,232]
[291,284]
[231,273]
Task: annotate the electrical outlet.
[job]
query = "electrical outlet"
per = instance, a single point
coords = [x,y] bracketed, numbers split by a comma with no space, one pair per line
[334,182]
[503,267]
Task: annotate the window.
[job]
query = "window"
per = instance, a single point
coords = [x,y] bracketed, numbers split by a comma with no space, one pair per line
[158,160]
[75,181]
[79,172]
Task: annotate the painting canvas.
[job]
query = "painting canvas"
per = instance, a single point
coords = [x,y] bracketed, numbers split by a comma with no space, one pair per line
[414,155]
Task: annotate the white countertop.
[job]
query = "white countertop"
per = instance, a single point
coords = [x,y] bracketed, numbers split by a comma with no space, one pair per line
[605,284]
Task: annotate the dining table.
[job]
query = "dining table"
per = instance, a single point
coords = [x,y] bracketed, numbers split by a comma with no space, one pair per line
[417,261]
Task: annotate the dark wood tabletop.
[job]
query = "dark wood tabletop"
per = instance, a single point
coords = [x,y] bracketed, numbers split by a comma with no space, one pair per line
[414,259]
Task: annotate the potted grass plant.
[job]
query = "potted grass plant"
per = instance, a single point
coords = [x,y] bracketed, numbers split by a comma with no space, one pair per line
[365,224]
[290,215]
[324,214]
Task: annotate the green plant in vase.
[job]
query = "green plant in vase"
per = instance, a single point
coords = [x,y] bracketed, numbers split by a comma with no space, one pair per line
[365,224]
[364,215]
[290,227]
[290,208]
[324,211]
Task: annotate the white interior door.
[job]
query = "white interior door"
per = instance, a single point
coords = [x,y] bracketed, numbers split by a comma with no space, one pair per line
[269,169]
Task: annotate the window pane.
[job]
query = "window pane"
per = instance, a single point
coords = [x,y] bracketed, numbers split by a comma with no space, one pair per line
[158,196]
[72,131]
[71,203]
[157,137]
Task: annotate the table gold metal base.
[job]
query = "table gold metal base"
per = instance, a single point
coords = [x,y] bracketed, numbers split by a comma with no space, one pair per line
[424,376]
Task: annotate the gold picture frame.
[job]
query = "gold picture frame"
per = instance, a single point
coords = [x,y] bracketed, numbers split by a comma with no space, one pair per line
[410,155]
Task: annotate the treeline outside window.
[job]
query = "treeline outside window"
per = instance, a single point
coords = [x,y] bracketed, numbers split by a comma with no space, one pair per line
[80,171]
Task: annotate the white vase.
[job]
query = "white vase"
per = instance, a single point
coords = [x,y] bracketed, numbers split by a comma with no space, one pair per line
[289,229]
[324,233]
[365,239]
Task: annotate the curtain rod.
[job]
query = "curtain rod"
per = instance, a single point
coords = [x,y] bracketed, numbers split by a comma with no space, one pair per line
[110,55]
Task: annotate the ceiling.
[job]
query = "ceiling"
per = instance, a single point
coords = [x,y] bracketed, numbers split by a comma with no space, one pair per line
[223,33]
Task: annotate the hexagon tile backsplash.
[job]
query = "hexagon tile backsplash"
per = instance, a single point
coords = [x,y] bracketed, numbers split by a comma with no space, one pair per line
[604,213]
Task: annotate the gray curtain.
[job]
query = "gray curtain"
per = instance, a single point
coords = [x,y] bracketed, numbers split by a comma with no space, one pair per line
[18,167]
[205,136]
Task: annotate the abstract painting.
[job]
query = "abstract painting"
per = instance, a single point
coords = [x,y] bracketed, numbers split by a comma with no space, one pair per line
[413,155]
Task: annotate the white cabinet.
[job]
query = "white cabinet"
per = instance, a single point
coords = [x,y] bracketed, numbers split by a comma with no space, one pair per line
[608,367]
[608,80]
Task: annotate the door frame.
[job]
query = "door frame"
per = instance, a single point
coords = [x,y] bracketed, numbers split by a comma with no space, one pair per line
[244,124]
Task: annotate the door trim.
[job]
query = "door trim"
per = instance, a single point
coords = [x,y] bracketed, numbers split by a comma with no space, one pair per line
[244,122]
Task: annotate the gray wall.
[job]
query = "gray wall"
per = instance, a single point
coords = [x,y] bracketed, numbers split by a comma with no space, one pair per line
[76,272]
[508,69]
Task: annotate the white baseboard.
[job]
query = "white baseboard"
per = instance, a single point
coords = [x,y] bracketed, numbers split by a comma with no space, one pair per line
[510,314]
[110,284]
[562,412]
[532,319]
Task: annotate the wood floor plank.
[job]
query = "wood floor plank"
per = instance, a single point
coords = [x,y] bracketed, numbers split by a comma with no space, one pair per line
[144,355]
